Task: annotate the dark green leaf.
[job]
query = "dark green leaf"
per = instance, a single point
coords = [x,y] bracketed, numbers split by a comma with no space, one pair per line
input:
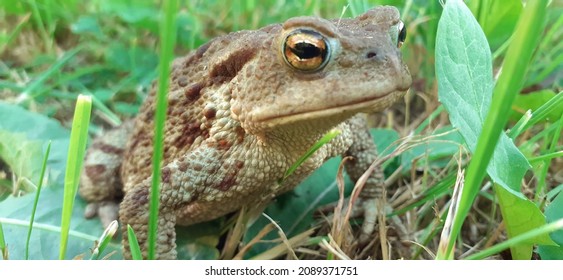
[87,25]
[35,126]
[25,134]
[522,215]
[554,212]
[44,244]
[22,156]
[465,83]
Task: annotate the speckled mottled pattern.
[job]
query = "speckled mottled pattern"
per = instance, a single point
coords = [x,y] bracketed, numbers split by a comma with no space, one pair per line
[239,117]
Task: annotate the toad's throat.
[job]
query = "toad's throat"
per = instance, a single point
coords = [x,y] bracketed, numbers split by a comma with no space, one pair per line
[372,104]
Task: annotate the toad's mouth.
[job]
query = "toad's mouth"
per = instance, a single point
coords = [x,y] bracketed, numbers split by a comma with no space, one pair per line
[341,111]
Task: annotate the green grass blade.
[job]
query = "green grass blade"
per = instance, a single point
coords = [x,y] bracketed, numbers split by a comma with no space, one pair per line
[3,248]
[14,33]
[552,105]
[76,149]
[523,238]
[103,109]
[133,244]
[547,156]
[520,125]
[54,69]
[433,193]
[429,120]
[105,239]
[542,174]
[37,193]
[167,41]
[325,139]
[509,84]
[48,41]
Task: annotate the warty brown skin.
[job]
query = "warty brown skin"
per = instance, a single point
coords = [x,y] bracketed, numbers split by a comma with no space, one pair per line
[239,116]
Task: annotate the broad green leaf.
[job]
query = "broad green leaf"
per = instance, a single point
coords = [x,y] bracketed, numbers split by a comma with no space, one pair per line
[23,136]
[551,252]
[16,211]
[44,244]
[522,215]
[36,127]
[553,212]
[22,156]
[465,83]
[384,139]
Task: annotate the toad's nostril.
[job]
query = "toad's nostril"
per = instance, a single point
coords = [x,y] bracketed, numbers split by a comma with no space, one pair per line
[371,54]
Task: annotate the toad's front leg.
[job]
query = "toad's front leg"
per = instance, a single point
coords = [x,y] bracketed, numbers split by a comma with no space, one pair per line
[134,211]
[364,153]
[182,181]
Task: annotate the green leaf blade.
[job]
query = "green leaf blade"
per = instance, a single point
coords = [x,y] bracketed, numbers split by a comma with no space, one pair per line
[465,83]
[167,42]
[77,148]
[553,212]
[134,244]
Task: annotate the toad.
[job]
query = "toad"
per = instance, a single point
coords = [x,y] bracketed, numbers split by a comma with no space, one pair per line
[242,109]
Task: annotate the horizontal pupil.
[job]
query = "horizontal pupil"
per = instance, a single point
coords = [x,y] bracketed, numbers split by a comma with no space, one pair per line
[305,50]
[402,34]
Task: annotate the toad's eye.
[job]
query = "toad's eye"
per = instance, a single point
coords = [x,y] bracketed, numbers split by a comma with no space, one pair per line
[402,34]
[306,50]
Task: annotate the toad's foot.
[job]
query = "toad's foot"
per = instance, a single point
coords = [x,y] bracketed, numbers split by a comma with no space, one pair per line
[108,211]
[374,211]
